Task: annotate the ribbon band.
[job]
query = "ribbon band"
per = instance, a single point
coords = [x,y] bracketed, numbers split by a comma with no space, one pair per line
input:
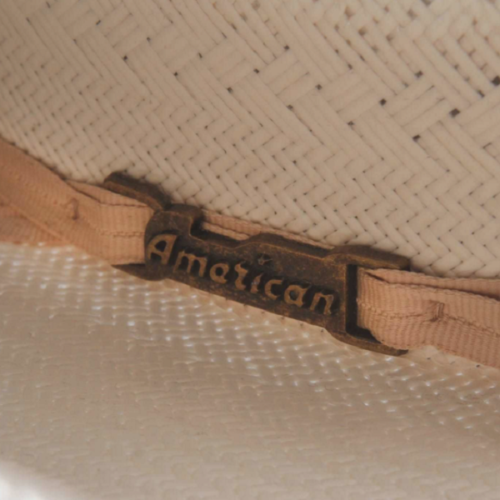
[403,310]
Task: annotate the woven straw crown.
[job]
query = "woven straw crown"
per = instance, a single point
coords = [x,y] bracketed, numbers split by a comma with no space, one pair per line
[371,122]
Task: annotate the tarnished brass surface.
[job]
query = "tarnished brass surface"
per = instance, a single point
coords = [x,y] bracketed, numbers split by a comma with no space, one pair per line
[279,275]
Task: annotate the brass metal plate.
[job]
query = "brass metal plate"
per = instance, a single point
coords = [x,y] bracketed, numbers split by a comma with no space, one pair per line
[267,271]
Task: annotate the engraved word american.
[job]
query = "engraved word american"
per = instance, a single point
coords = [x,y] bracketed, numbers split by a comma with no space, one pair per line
[240,275]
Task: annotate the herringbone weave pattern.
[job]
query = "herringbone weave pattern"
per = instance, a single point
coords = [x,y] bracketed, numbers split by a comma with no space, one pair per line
[363,121]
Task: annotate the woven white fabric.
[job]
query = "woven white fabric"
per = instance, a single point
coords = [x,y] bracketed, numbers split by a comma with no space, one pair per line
[124,389]
[363,121]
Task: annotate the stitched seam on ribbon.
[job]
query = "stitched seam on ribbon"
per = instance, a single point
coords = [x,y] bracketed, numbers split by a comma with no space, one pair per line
[100,231]
[365,305]
[430,289]
[133,203]
[429,279]
[66,206]
[31,185]
[444,316]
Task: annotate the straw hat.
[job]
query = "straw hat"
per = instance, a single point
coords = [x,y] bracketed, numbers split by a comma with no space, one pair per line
[371,122]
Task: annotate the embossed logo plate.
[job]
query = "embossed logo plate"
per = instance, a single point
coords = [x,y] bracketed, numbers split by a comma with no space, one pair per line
[285,277]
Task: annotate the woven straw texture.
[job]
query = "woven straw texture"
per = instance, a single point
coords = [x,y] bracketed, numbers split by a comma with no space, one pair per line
[366,121]
[128,390]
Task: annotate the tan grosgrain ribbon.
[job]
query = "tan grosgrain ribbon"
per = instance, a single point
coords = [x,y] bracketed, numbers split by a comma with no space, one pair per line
[402,309]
